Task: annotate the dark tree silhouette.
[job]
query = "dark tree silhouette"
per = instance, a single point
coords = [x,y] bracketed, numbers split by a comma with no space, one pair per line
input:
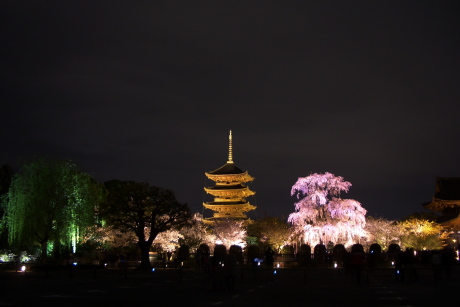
[146,210]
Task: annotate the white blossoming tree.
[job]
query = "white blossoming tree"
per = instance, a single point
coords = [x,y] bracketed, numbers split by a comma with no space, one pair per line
[229,232]
[195,232]
[382,231]
[321,216]
[109,238]
[168,241]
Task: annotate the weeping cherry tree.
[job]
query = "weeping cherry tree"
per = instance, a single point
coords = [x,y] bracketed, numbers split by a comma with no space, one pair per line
[321,216]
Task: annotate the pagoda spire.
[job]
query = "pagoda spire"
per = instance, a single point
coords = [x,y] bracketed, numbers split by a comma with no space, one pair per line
[230,148]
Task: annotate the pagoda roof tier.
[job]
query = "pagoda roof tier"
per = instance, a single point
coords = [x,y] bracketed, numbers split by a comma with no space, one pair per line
[227,203]
[243,177]
[229,173]
[229,206]
[227,169]
[214,219]
[228,186]
[232,192]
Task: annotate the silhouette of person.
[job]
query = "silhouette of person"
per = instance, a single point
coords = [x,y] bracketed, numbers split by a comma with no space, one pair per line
[269,257]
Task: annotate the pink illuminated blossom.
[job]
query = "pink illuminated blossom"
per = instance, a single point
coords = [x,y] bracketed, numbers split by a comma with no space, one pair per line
[321,216]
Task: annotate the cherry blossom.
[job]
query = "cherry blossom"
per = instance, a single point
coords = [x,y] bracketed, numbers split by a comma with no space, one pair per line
[321,216]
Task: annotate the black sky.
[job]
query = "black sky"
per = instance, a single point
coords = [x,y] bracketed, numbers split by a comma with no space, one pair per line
[148,91]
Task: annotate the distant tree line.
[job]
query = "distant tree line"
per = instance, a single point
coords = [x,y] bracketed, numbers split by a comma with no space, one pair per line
[52,209]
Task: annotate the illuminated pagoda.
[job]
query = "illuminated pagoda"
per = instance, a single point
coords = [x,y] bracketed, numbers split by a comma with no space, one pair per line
[446,201]
[230,191]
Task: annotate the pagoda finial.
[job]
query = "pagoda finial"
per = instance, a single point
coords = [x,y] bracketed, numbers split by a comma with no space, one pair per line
[230,148]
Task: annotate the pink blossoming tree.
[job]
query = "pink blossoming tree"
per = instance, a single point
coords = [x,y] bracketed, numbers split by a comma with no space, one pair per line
[321,216]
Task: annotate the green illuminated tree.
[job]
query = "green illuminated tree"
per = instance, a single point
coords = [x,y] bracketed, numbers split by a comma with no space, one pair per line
[50,201]
[6,175]
[146,210]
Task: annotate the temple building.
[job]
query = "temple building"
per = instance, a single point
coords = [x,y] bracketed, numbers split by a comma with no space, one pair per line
[229,192]
[446,200]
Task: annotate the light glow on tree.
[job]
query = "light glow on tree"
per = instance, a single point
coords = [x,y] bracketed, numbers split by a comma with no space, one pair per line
[383,232]
[50,202]
[422,234]
[168,241]
[195,232]
[229,232]
[321,216]
[272,231]
[146,210]
[110,238]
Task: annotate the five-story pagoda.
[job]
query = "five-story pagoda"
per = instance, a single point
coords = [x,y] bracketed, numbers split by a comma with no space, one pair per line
[230,191]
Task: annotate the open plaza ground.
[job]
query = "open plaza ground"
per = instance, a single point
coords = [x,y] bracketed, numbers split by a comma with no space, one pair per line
[252,287]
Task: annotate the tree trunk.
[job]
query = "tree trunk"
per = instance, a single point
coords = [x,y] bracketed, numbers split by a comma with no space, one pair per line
[44,246]
[145,249]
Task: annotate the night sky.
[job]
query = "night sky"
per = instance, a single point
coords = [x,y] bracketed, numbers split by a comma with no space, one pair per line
[148,91]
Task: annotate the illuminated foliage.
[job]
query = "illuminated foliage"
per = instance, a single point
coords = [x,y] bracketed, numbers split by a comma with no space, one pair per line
[383,232]
[143,209]
[50,201]
[272,231]
[321,216]
[195,232]
[109,238]
[229,232]
[422,234]
[168,241]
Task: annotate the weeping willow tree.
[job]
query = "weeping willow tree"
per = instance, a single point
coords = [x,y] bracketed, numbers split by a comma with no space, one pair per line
[50,201]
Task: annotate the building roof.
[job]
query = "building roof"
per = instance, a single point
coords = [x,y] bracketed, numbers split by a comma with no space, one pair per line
[237,190]
[227,169]
[228,187]
[449,216]
[446,200]
[447,188]
[227,203]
